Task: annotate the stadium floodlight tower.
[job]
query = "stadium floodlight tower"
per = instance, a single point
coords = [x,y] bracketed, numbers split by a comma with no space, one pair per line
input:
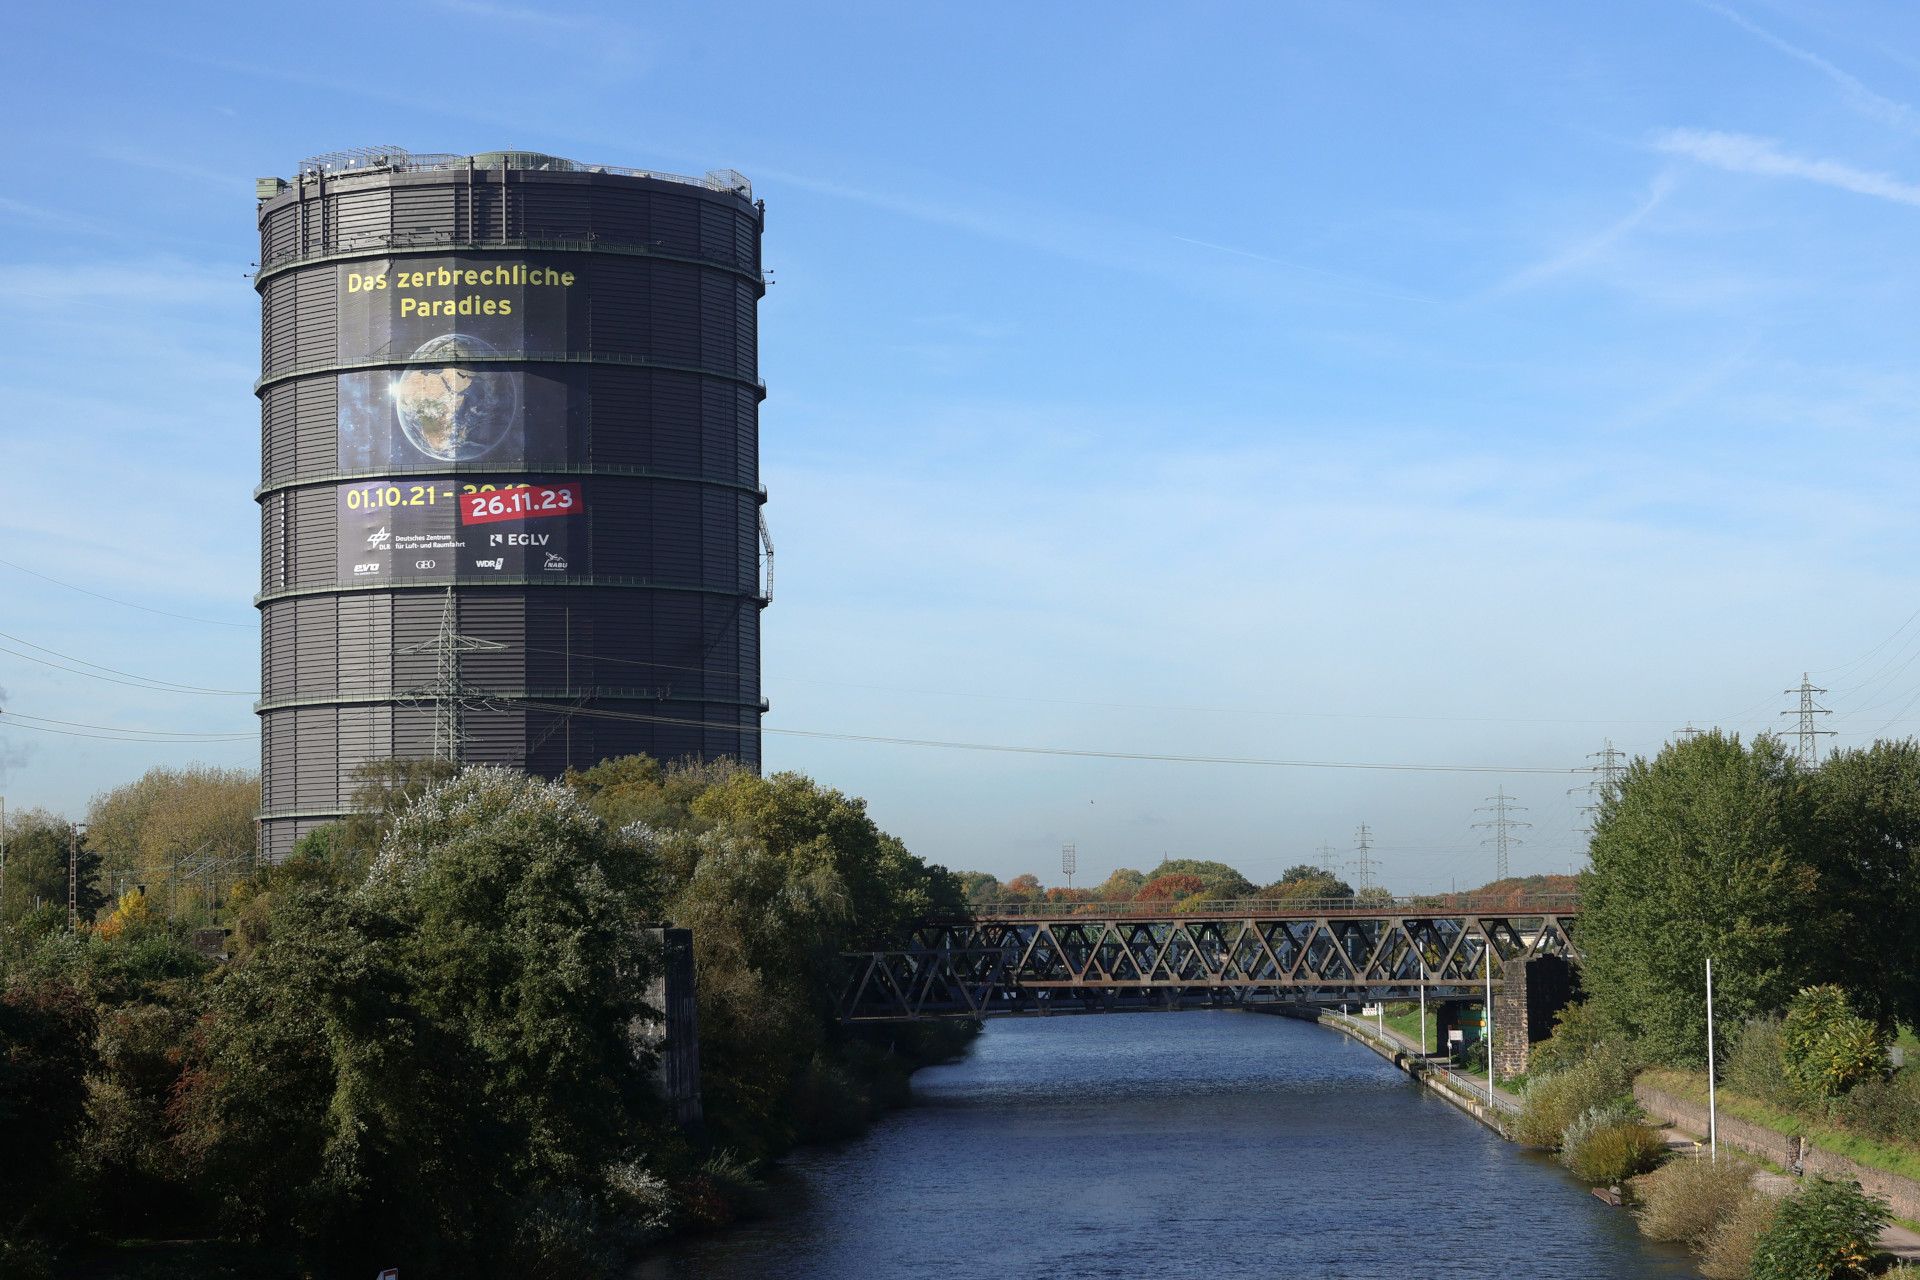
[510,481]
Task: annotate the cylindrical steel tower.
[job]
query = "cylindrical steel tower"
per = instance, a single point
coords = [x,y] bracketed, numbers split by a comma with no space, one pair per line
[510,490]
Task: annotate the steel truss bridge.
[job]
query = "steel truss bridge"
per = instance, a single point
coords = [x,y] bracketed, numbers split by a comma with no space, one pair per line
[1115,957]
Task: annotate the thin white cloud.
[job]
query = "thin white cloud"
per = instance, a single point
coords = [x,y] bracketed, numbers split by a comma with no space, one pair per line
[1587,249]
[1863,99]
[1743,153]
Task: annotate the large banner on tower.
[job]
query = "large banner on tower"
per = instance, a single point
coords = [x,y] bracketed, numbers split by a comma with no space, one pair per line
[457,331]
[433,529]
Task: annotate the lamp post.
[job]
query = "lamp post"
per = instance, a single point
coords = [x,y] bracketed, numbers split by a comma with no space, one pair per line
[1713,1099]
[1487,1021]
[1423,1006]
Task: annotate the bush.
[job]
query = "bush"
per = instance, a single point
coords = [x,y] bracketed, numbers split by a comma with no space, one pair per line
[1685,1201]
[1755,1067]
[1728,1254]
[1612,1153]
[1826,1229]
[1553,1102]
[1827,1048]
[1885,1108]
[1577,1032]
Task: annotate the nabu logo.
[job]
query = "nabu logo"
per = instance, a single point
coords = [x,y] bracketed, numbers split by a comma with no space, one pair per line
[555,563]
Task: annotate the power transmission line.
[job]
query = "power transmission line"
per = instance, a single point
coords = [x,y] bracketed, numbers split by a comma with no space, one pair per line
[1073,752]
[184,617]
[15,716]
[115,676]
[1808,735]
[1500,805]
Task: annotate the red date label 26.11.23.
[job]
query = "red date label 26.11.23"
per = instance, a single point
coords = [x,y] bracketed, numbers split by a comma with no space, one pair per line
[520,502]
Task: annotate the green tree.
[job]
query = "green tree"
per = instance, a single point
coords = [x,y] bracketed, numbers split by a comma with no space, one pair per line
[1868,816]
[46,1051]
[35,897]
[1700,852]
[1306,882]
[1826,1230]
[434,1062]
[1827,1048]
[1120,886]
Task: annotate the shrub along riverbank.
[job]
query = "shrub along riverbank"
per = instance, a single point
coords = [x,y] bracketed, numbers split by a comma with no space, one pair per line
[1802,884]
[422,1050]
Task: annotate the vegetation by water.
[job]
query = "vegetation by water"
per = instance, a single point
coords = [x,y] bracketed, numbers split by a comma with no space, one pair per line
[1803,886]
[423,1047]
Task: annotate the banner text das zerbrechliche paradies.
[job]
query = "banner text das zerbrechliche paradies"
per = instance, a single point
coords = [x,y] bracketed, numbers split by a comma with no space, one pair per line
[452,394]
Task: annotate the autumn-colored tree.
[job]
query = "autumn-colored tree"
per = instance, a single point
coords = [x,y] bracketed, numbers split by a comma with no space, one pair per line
[131,918]
[186,834]
[1170,888]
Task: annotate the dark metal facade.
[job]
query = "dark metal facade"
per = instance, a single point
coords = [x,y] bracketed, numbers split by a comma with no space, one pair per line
[514,398]
[1116,962]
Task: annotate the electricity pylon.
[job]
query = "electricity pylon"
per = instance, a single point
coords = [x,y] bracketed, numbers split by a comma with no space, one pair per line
[1500,805]
[450,695]
[1809,736]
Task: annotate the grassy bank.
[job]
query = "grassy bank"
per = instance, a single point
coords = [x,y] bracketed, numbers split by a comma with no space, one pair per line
[1874,1153]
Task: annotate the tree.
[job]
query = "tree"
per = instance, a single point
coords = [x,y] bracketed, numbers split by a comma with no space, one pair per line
[1867,809]
[1217,879]
[777,877]
[1170,888]
[1120,886]
[1699,852]
[186,834]
[440,1057]
[36,882]
[46,1050]
[979,886]
[1306,882]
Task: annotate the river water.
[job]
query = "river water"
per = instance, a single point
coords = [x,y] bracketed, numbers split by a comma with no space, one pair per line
[1219,1144]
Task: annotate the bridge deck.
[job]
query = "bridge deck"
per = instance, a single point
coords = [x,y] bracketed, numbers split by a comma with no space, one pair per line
[1098,957]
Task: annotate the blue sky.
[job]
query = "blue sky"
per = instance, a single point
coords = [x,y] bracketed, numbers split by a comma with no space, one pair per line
[1439,384]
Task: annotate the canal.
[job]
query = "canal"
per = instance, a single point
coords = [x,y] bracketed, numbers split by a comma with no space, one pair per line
[1215,1143]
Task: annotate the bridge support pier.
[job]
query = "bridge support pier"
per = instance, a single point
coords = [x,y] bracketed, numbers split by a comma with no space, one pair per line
[1530,994]
[676,1037]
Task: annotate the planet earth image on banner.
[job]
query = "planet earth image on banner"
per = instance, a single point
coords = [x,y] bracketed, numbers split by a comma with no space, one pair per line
[450,410]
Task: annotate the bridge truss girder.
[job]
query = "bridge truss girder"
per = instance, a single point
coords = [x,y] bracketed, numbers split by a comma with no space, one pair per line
[1084,964]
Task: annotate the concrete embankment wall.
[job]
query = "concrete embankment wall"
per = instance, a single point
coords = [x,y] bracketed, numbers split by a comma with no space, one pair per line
[1785,1150]
[1438,1082]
